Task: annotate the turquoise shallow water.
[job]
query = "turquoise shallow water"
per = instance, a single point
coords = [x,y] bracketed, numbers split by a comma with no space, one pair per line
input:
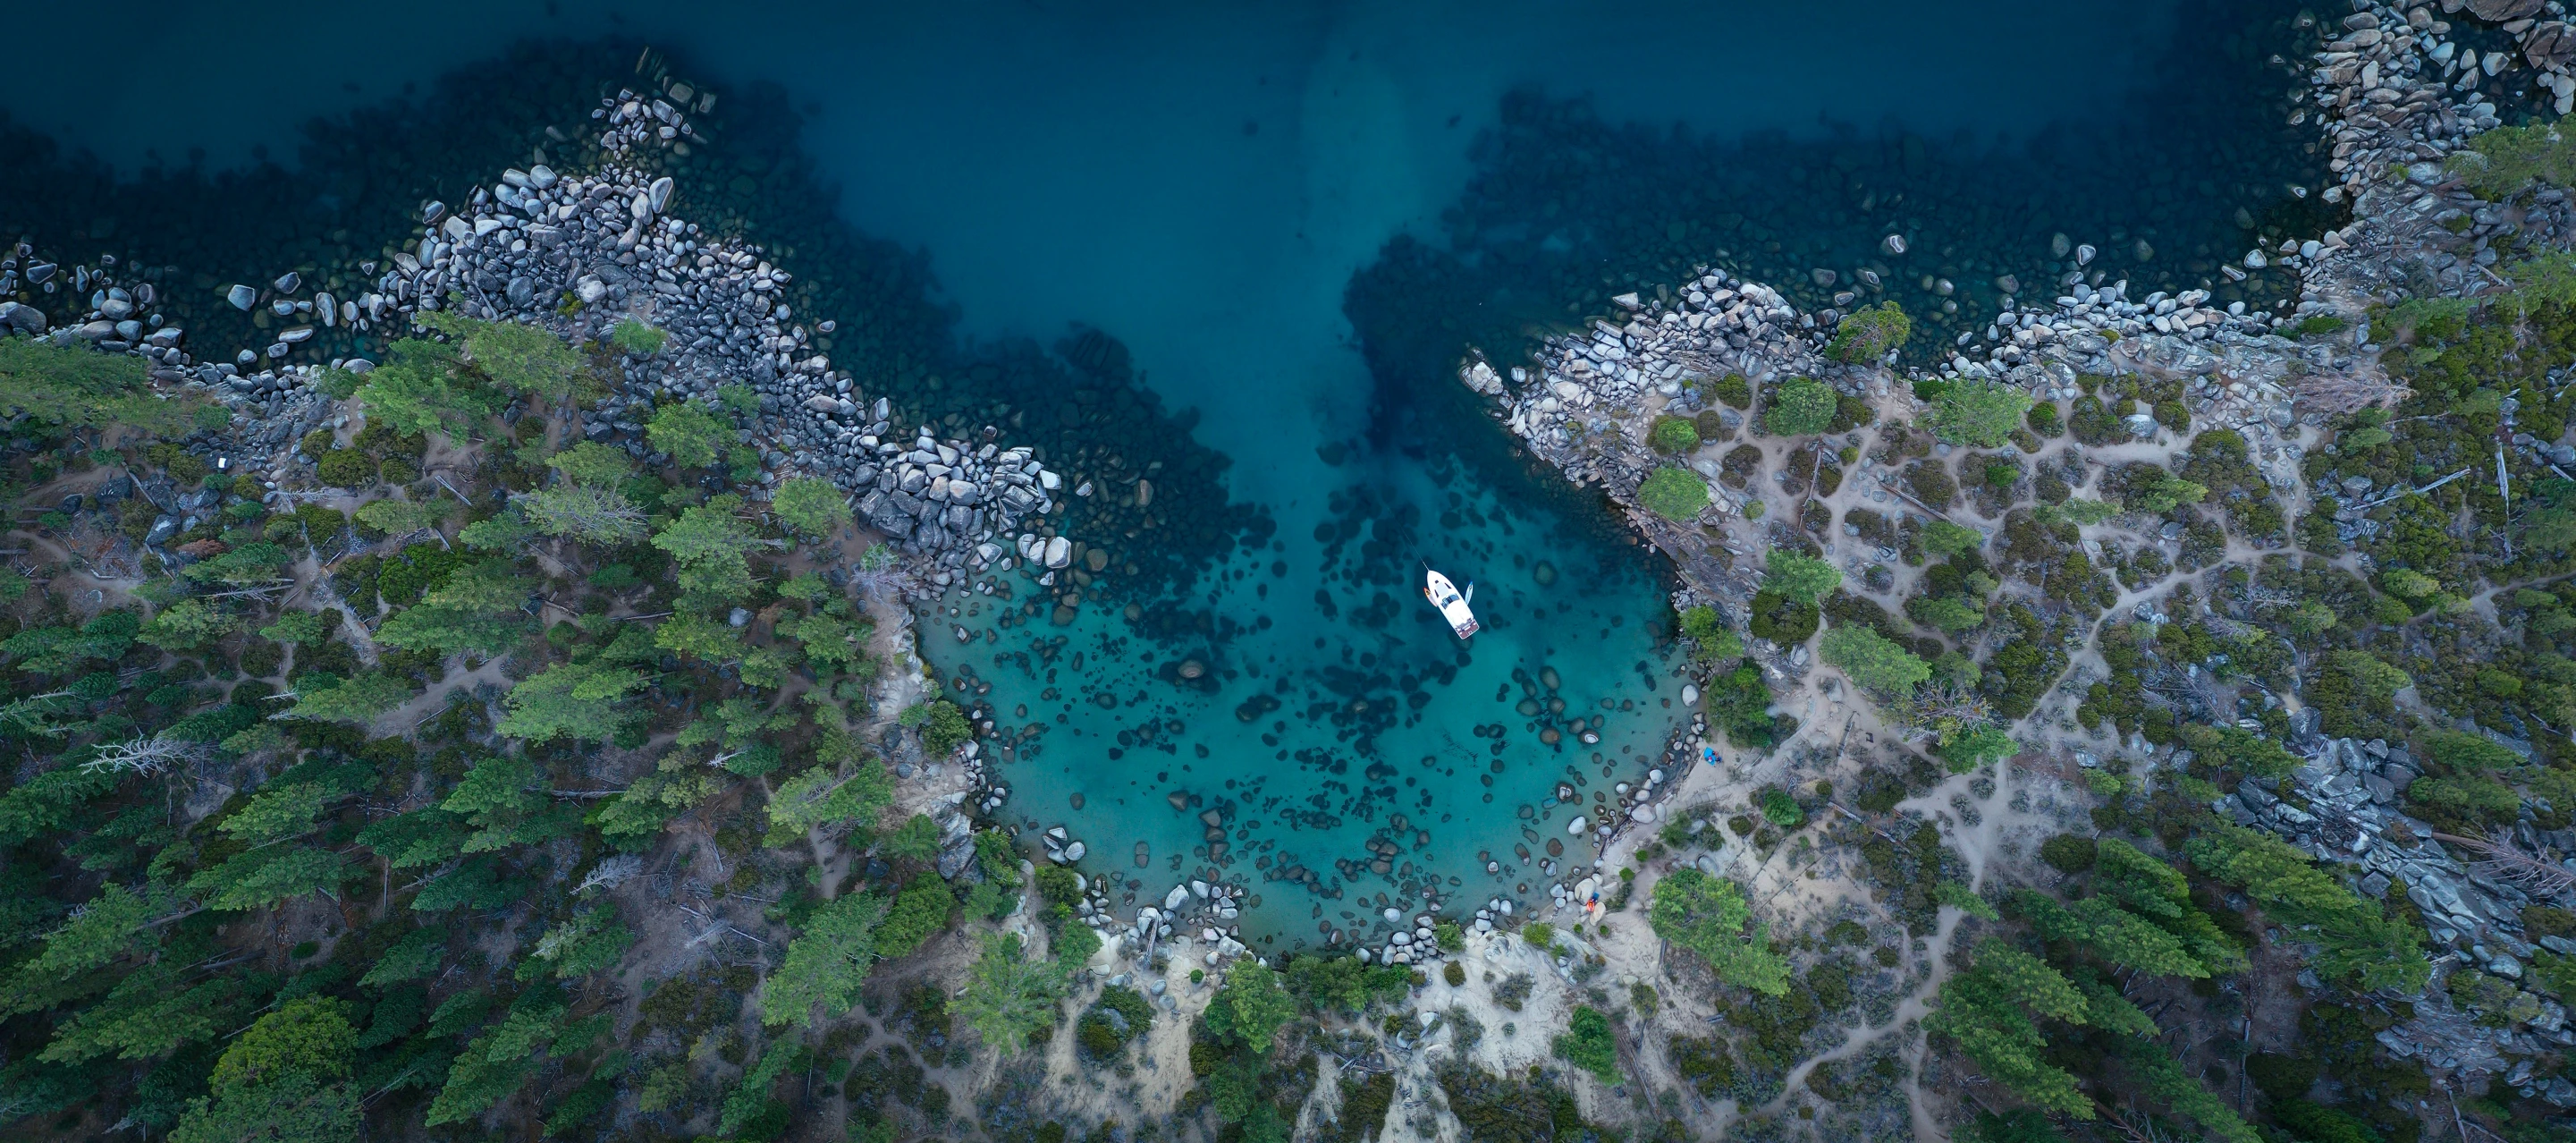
[1354,753]
[1290,219]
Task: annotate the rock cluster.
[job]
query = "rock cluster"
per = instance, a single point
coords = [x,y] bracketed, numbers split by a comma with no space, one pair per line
[582,252]
[578,254]
[1195,910]
[2349,815]
[1415,943]
[1579,388]
[1581,402]
[2353,816]
[2400,92]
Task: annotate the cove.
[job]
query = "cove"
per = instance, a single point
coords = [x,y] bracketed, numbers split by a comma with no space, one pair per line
[1292,222]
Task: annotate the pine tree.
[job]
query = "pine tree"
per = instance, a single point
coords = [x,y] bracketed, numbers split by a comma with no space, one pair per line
[1988,1007]
[1251,1007]
[1707,916]
[1801,407]
[824,794]
[692,436]
[185,626]
[399,517]
[1802,578]
[1009,994]
[710,543]
[1872,661]
[811,506]
[826,964]
[478,609]
[358,701]
[1978,413]
[277,1083]
[590,513]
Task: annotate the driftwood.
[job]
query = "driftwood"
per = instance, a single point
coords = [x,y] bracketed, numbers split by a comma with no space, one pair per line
[2339,393]
[2505,861]
[2404,492]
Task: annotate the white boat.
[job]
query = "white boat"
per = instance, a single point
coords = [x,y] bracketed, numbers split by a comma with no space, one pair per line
[1453,606]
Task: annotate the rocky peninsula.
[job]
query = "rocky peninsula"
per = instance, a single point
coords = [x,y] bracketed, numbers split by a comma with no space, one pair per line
[2142,381]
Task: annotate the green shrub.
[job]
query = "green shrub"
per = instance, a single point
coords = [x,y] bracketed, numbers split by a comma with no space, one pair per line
[2317,1123]
[1932,484]
[1979,413]
[1803,406]
[1710,425]
[2068,853]
[944,728]
[1734,390]
[1120,1016]
[2549,921]
[1673,435]
[1871,333]
[1711,640]
[347,468]
[2094,424]
[1739,703]
[920,912]
[2043,419]
[1587,1044]
[1781,809]
[1781,619]
[1674,493]
[635,337]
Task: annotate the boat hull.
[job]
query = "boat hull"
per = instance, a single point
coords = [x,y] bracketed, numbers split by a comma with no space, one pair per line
[1452,606]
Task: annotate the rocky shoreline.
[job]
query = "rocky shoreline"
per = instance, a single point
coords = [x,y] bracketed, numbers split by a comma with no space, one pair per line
[2394,95]
[576,255]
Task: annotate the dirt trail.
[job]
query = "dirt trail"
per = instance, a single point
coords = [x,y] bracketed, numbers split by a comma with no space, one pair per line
[1989,835]
[429,703]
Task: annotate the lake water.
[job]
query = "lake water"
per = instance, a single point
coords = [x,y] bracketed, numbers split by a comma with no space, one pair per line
[1236,250]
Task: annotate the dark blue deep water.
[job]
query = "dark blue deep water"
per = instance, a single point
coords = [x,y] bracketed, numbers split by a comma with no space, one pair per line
[1236,251]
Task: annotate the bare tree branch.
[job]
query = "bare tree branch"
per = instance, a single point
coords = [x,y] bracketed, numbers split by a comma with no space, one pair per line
[145,755]
[2506,861]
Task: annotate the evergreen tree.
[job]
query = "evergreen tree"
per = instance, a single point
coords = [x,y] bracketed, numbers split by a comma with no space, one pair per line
[692,436]
[1990,1008]
[478,609]
[1009,995]
[710,543]
[1802,578]
[1251,1006]
[279,1082]
[1872,661]
[827,963]
[74,386]
[1707,916]
[811,505]
[360,700]
[1801,407]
